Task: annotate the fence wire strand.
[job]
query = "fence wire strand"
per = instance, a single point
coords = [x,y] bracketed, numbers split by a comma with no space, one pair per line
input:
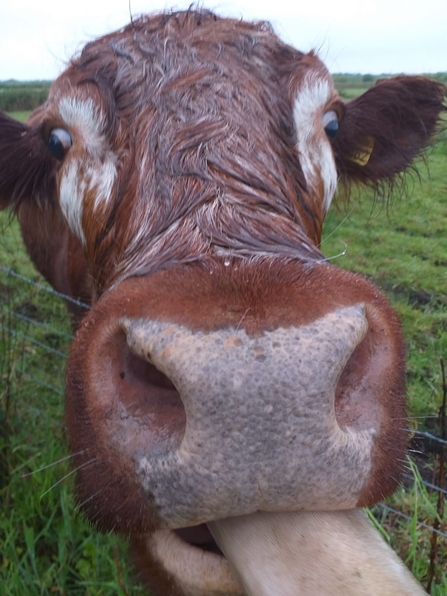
[11,273]
[34,342]
[410,519]
[45,326]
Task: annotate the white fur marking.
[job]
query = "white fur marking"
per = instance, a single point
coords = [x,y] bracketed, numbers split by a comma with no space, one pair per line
[98,165]
[71,195]
[102,179]
[85,116]
[314,148]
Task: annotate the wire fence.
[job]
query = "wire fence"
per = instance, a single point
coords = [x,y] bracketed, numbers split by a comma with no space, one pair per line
[35,334]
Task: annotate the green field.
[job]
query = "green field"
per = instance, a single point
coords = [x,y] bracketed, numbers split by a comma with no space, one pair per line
[47,548]
[18,96]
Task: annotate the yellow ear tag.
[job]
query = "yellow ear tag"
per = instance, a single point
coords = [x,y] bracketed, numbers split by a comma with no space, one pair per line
[362,156]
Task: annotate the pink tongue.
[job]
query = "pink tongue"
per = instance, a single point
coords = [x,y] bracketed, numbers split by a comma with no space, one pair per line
[334,553]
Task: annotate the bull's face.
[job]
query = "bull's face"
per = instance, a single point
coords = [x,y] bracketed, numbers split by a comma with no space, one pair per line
[225,369]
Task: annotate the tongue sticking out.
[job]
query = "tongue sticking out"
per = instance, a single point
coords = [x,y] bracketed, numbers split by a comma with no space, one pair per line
[334,553]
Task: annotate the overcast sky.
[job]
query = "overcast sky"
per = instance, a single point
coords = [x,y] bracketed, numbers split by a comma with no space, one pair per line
[38,36]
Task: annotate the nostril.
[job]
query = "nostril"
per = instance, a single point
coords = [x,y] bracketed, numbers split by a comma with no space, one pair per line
[356,405]
[141,370]
[141,393]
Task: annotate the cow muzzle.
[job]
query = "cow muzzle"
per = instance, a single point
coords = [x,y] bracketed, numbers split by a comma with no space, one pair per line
[259,415]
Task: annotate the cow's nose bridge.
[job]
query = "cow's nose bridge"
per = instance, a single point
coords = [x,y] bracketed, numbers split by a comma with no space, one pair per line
[259,413]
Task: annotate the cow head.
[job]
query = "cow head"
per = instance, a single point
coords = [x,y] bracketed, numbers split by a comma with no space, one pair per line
[227,376]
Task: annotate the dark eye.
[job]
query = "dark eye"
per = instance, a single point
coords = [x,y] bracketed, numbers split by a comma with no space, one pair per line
[330,124]
[59,142]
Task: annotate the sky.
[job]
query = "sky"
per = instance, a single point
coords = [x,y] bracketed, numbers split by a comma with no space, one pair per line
[37,38]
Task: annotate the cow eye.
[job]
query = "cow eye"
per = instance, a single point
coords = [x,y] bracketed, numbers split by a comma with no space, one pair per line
[59,142]
[330,124]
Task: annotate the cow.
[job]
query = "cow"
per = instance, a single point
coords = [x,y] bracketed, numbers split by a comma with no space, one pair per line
[233,399]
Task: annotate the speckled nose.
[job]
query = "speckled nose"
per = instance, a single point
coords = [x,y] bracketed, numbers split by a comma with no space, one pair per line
[260,415]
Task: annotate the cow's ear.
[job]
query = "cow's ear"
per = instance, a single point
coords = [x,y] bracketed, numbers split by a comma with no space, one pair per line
[27,168]
[384,129]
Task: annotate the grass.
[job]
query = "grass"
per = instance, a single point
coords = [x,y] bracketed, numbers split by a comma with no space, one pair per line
[20,115]
[19,96]
[46,548]
[402,246]
[409,538]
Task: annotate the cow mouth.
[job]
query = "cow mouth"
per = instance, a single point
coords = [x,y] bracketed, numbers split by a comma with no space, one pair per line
[199,537]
